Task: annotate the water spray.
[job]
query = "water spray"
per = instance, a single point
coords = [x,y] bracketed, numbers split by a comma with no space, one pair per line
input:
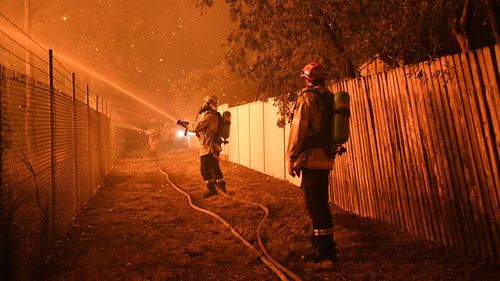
[126,125]
[116,86]
[25,38]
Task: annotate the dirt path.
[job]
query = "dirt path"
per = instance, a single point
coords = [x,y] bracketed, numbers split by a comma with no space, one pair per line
[137,227]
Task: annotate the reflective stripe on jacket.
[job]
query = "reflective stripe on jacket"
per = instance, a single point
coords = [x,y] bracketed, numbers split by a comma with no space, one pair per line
[307,122]
[206,129]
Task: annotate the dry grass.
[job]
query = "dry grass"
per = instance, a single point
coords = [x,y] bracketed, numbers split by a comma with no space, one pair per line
[139,228]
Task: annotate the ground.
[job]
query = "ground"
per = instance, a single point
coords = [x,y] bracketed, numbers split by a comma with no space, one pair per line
[138,227]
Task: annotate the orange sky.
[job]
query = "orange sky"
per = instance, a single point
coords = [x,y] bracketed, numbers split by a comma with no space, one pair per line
[141,45]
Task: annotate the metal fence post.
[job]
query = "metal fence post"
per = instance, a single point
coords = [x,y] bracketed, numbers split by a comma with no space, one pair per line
[1,129]
[103,143]
[52,150]
[112,139]
[106,135]
[88,141]
[75,145]
[98,141]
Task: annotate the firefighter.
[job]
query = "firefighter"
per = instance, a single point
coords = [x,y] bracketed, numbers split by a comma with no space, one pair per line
[153,134]
[208,131]
[309,153]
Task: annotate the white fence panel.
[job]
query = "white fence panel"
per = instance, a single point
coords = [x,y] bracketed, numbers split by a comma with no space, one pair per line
[257,136]
[244,134]
[274,142]
[234,141]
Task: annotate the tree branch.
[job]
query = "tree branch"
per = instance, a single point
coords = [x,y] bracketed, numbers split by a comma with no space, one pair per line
[491,13]
[333,35]
[460,27]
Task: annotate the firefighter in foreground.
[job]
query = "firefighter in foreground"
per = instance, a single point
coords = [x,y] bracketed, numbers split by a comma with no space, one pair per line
[208,130]
[311,152]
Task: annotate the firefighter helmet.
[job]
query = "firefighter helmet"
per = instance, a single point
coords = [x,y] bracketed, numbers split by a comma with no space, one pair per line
[313,71]
[213,100]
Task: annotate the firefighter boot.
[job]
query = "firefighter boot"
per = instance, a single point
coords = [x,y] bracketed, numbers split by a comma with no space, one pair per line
[327,247]
[211,190]
[314,254]
[221,185]
[323,249]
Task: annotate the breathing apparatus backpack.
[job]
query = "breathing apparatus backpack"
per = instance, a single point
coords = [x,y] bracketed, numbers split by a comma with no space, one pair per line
[335,123]
[224,127]
[341,115]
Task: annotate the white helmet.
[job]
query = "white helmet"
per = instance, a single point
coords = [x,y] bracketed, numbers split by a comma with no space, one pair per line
[212,100]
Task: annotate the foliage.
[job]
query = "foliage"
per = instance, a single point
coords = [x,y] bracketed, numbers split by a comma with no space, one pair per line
[273,40]
[188,93]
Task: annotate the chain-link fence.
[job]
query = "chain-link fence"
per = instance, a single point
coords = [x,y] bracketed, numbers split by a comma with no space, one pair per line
[56,150]
[57,146]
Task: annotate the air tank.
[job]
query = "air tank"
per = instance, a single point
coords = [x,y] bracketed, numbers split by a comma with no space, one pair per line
[226,125]
[341,114]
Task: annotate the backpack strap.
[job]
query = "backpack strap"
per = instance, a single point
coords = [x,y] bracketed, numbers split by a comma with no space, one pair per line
[219,125]
[323,138]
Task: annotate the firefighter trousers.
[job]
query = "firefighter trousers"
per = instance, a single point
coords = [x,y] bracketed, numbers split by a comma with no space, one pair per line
[315,186]
[210,169]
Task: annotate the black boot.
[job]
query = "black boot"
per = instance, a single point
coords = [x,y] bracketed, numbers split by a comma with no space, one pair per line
[323,249]
[328,248]
[211,190]
[221,185]
[313,256]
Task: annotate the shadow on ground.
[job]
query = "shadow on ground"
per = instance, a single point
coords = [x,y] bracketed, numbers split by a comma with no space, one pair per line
[137,227]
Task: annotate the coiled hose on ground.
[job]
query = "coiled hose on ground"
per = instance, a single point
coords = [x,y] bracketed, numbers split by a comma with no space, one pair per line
[281,271]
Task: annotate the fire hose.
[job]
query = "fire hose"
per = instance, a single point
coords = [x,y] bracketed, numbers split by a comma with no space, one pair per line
[281,271]
[292,275]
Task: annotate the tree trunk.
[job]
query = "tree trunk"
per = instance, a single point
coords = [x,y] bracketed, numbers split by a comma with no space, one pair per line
[257,94]
[333,35]
[491,13]
[460,27]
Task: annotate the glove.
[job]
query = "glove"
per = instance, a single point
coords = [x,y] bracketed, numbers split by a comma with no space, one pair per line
[182,123]
[293,169]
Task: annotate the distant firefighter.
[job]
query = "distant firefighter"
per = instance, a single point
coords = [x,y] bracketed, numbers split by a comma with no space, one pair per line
[311,152]
[153,134]
[208,129]
[170,138]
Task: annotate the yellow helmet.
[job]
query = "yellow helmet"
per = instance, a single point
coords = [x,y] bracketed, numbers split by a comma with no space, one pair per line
[213,100]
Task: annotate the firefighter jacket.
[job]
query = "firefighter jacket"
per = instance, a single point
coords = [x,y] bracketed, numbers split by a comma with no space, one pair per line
[153,138]
[308,114]
[207,130]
